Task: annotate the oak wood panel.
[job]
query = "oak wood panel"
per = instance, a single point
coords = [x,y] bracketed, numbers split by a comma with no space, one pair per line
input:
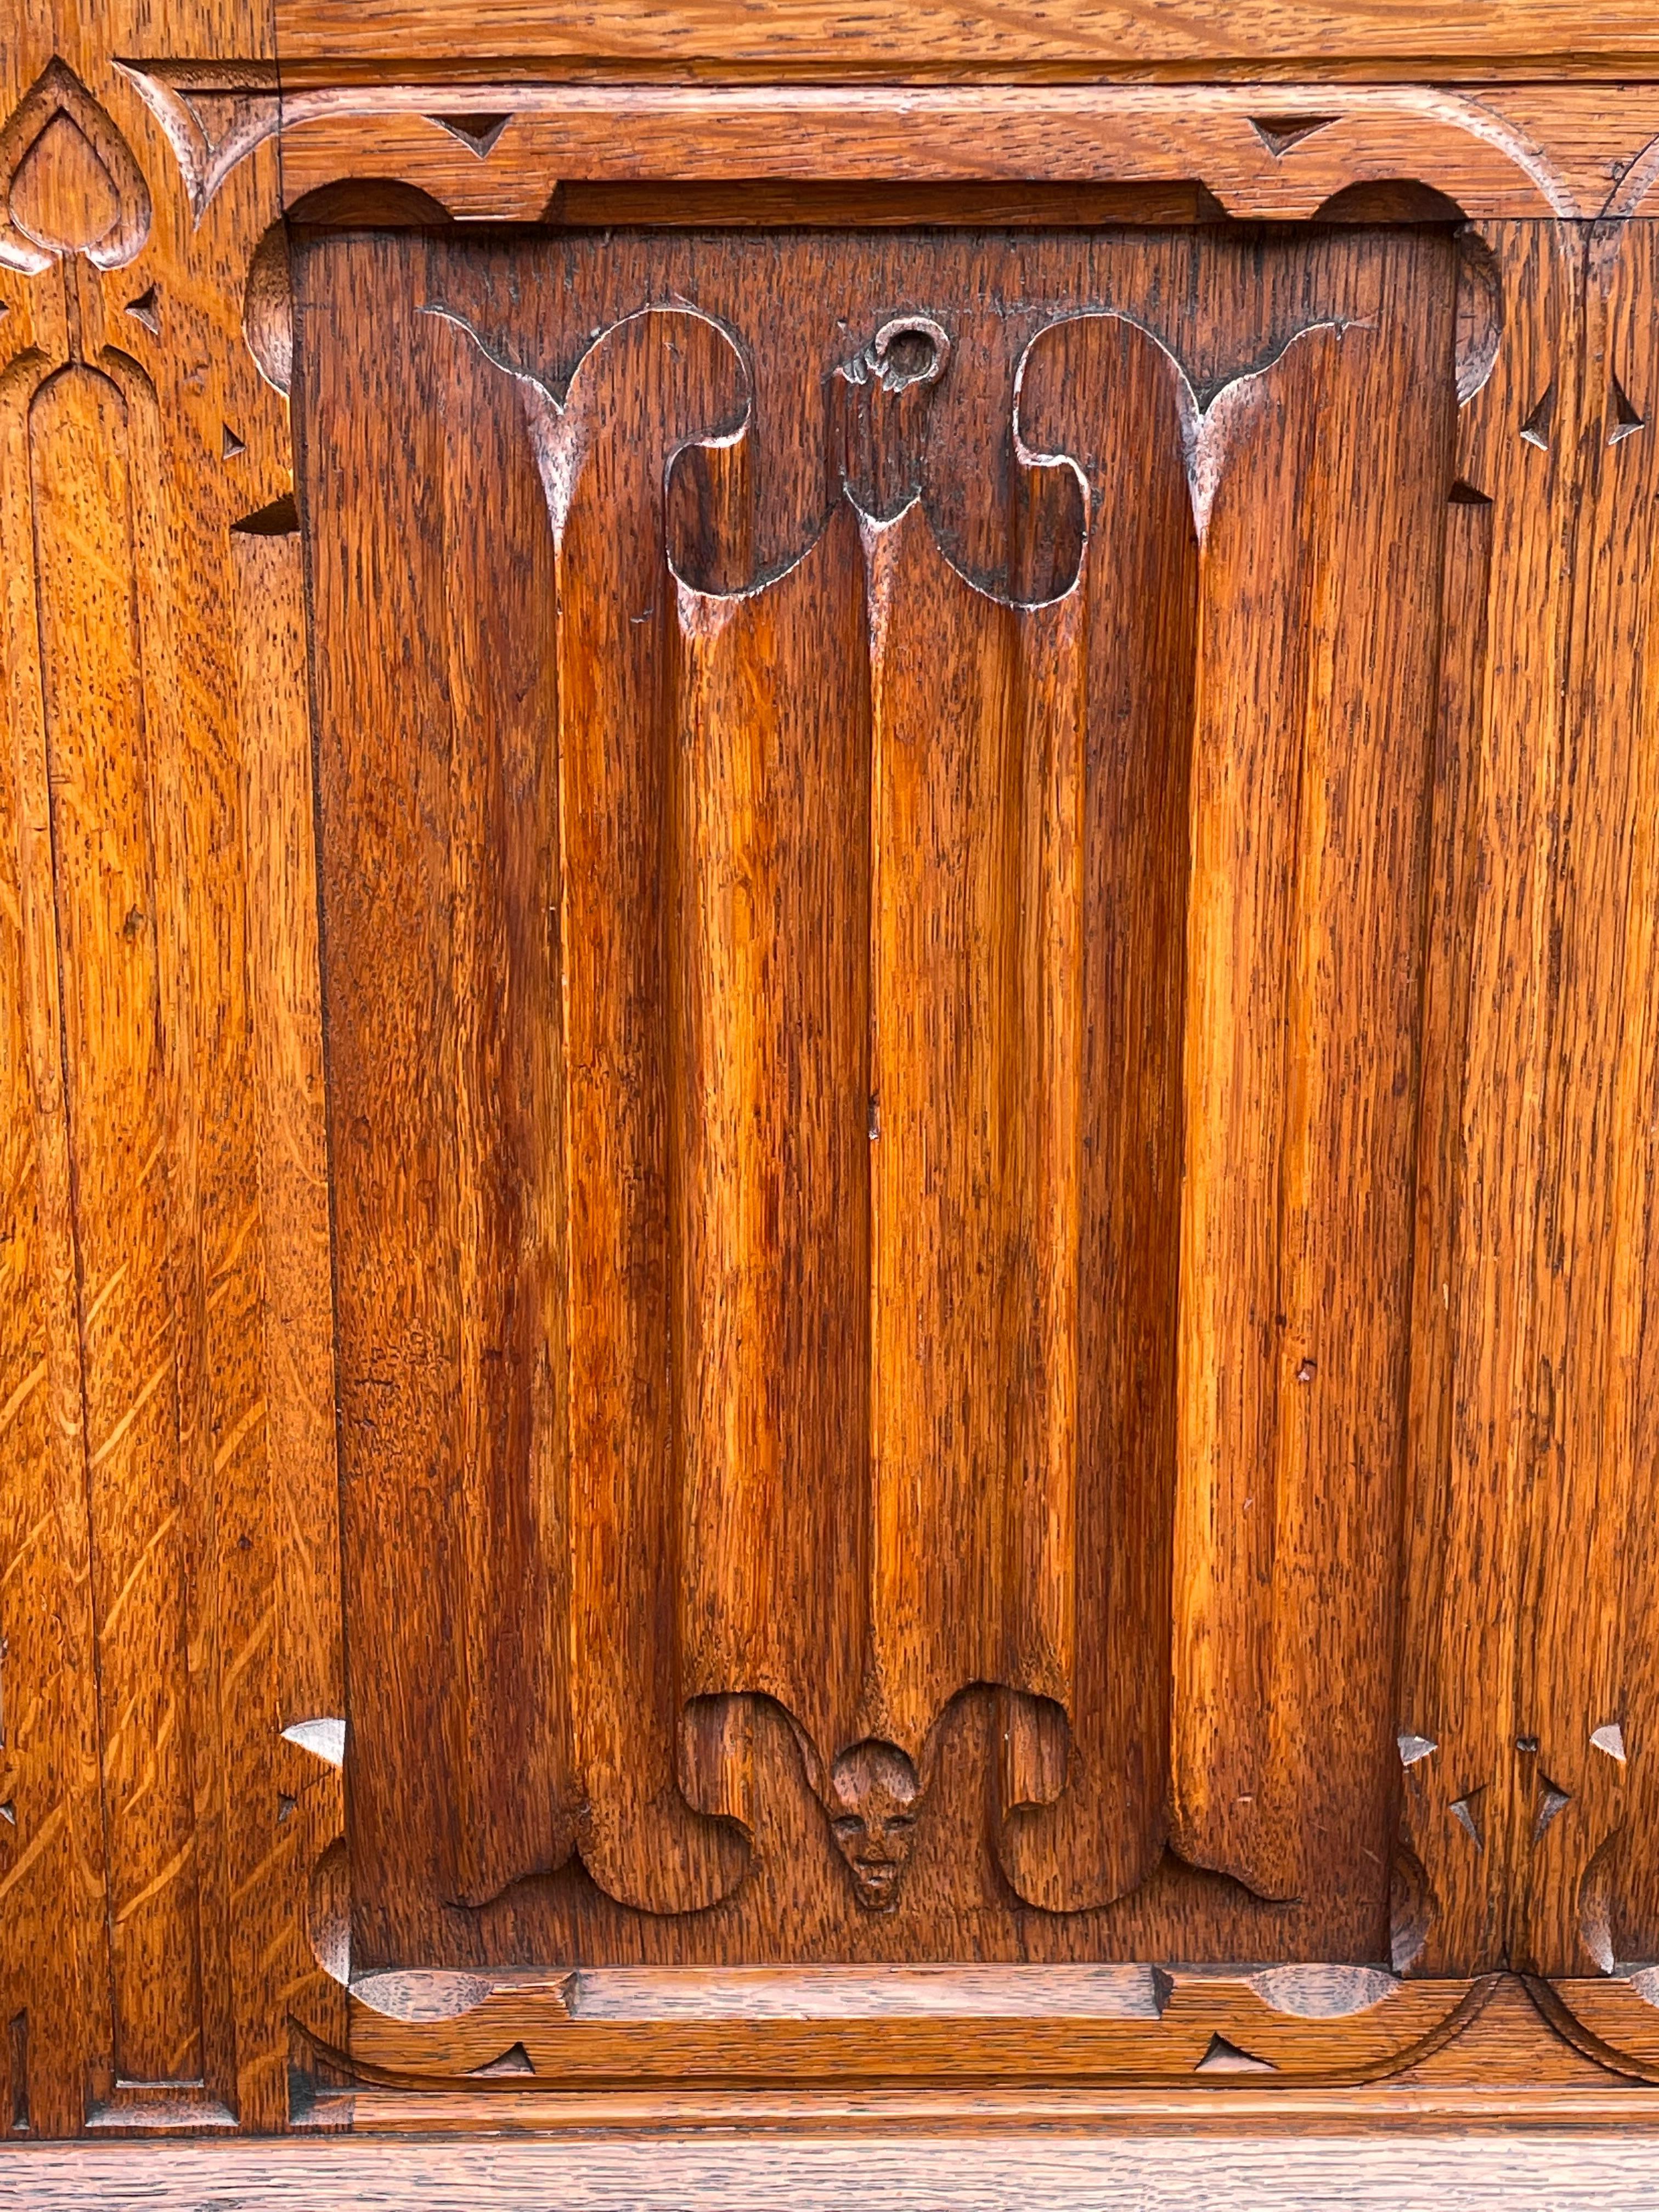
[293,1141]
[1471,1458]
[1625,1885]
[409,1409]
[187,441]
[1527,1396]
[661,381]
[774,1102]
[54,1874]
[835,2026]
[1588,1900]
[293,1806]
[597,1432]
[1098,390]
[975,953]
[1604,2166]
[807,32]
[555,134]
[1301,965]
[121,1109]
[963,1121]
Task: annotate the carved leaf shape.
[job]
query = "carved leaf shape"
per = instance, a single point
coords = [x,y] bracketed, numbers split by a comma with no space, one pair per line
[68,182]
[62,197]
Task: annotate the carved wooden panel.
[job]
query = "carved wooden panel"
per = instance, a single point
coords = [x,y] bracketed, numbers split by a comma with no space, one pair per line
[874,976]
[825,918]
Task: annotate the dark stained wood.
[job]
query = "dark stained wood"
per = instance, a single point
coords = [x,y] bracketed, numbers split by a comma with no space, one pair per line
[662,380]
[1474,1438]
[1615,1862]
[764,203]
[975,956]
[610,133]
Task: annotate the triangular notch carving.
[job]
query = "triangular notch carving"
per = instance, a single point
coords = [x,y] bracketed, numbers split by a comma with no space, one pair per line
[476,132]
[1536,428]
[1625,420]
[280,519]
[1464,1811]
[515,2061]
[1278,133]
[1552,1801]
[1225,2057]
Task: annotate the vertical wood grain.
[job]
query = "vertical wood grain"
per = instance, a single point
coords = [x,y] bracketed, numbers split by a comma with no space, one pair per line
[515,1761]
[1585,1588]
[56,1949]
[290,1805]
[1101,390]
[704,894]
[1471,1473]
[976,975]
[1449,1011]
[293,1156]
[1316,684]
[655,382]
[517,1354]
[1612,1878]
[443,994]
[117,1102]
[375,549]
[179,379]
[773,1137]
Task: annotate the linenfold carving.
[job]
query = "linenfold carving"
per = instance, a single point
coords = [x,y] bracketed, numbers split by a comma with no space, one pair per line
[847,1293]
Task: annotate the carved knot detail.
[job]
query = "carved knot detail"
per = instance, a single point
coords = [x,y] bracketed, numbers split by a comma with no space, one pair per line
[68,182]
[909,349]
[884,394]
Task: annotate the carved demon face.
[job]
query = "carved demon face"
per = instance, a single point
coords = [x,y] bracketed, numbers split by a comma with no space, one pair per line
[874,1796]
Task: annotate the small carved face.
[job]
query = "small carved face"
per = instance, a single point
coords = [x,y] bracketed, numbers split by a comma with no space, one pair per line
[874,1797]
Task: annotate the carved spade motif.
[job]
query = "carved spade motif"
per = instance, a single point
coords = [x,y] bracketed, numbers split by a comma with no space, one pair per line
[68,182]
[875,1796]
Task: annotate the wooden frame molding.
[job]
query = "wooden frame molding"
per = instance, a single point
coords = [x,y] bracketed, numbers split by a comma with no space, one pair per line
[1483,147]
[174,1929]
